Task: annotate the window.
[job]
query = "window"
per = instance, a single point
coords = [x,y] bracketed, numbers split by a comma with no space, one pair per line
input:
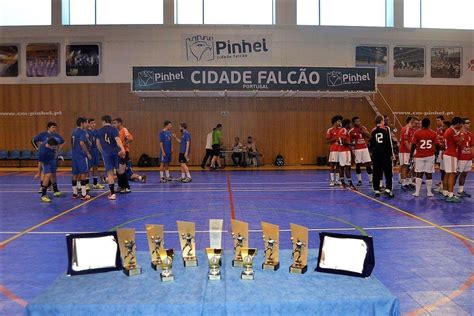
[87,12]
[25,12]
[238,11]
[439,14]
[345,12]
[188,11]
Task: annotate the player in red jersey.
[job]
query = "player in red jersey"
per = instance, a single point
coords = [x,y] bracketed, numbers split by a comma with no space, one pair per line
[465,157]
[439,132]
[446,125]
[452,139]
[404,154]
[345,154]
[359,136]
[425,142]
[332,140]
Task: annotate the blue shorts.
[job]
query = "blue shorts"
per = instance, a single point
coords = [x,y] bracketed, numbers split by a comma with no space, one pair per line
[166,159]
[95,161]
[111,161]
[49,166]
[80,165]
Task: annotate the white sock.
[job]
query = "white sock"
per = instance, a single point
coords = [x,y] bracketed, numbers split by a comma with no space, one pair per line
[167,172]
[84,190]
[183,175]
[331,174]
[461,189]
[337,177]
[74,189]
[445,192]
[404,182]
[370,177]
[359,176]
[418,185]
[429,184]
[188,174]
[450,194]
[162,174]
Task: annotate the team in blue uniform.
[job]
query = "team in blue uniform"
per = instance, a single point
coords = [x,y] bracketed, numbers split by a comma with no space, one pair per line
[112,149]
[80,157]
[47,158]
[165,152]
[42,138]
[95,161]
[184,151]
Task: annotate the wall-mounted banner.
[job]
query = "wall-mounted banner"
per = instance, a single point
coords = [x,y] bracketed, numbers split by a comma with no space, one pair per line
[253,78]
[206,49]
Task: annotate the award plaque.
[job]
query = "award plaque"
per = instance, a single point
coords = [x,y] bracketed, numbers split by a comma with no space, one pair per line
[156,242]
[128,251]
[187,233]
[271,237]
[214,257]
[240,239]
[248,254]
[299,254]
[166,257]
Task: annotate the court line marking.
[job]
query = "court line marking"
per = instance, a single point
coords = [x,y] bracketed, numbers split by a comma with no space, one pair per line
[11,296]
[49,220]
[259,230]
[416,217]
[181,190]
[231,198]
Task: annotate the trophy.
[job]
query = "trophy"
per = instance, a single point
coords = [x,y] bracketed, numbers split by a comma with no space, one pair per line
[187,232]
[214,257]
[240,239]
[271,237]
[166,257]
[299,254]
[248,254]
[156,242]
[128,249]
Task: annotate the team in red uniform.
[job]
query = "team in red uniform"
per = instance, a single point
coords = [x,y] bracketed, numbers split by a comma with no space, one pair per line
[359,136]
[333,141]
[404,155]
[452,139]
[345,154]
[424,144]
[464,157]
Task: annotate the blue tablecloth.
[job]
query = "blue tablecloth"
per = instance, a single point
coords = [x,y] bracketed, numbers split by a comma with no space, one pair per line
[191,293]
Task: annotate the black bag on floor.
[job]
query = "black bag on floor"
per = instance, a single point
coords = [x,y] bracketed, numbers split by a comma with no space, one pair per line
[279,161]
[144,161]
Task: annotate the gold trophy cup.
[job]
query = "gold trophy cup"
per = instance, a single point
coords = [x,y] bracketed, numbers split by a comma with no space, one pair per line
[248,254]
[214,257]
[166,257]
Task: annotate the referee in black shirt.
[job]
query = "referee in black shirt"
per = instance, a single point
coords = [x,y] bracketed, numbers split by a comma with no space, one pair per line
[381,147]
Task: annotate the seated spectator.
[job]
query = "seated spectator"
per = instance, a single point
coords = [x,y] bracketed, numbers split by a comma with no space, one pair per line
[237,152]
[252,152]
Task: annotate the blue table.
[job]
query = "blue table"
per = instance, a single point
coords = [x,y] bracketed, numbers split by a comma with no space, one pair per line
[191,293]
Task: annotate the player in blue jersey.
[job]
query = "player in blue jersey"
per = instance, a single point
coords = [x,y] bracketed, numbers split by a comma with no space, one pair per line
[80,159]
[184,151]
[42,138]
[111,147]
[48,160]
[95,161]
[165,152]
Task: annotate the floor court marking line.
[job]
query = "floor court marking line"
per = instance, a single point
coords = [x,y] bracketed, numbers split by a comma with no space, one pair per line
[49,220]
[416,217]
[9,294]
[259,230]
[231,198]
[187,190]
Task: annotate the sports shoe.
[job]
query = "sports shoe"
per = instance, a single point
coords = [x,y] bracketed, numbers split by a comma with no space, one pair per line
[453,199]
[57,194]
[412,187]
[126,190]
[40,190]
[351,186]
[429,194]
[143,179]
[186,180]
[88,188]
[359,183]
[45,199]
[332,183]
[464,194]
[163,180]
[85,197]
[169,179]
[112,197]
[97,186]
[203,167]
[415,195]
[75,196]
[405,187]
[377,193]
[389,193]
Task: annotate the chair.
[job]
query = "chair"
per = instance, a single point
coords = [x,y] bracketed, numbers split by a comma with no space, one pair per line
[3,154]
[35,155]
[67,155]
[25,155]
[13,155]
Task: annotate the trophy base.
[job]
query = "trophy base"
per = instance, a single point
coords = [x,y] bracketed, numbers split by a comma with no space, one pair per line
[191,262]
[298,269]
[271,267]
[237,263]
[166,278]
[132,272]
[155,266]
[214,277]
[245,276]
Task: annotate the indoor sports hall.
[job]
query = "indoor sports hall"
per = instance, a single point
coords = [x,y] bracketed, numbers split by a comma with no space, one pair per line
[231,157]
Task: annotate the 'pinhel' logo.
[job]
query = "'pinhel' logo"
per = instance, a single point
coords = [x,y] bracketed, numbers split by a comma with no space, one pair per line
[146,78]
[200,47]
[334,78]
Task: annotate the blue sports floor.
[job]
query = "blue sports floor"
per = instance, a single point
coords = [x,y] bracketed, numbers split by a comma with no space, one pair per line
[423,247]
